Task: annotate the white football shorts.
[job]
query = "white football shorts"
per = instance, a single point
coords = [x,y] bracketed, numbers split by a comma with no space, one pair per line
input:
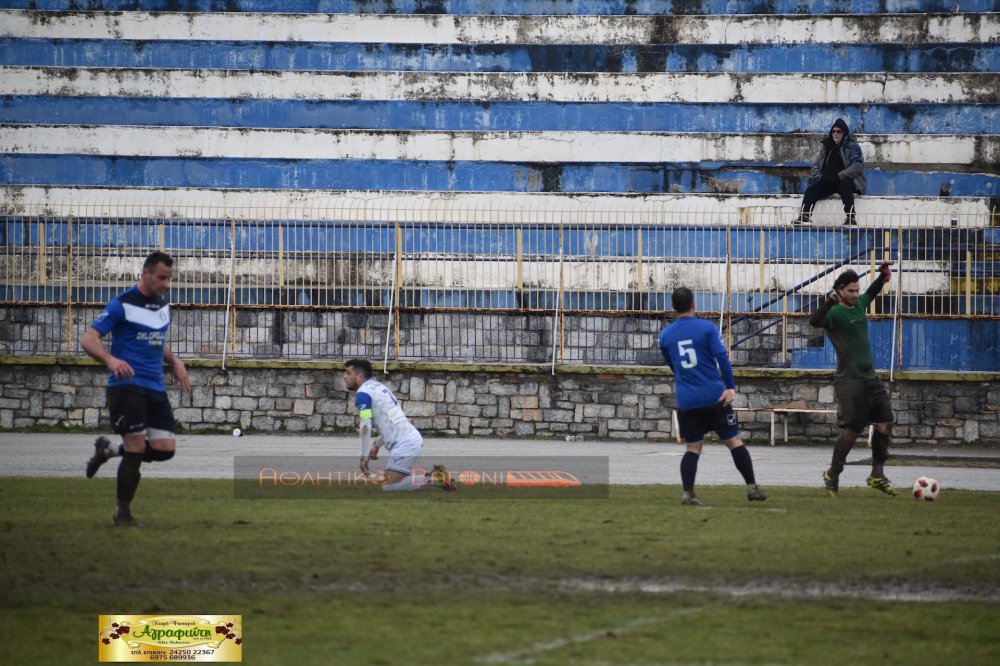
[403,455]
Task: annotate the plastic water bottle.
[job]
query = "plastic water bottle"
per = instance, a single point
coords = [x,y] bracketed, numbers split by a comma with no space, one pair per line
[574,438]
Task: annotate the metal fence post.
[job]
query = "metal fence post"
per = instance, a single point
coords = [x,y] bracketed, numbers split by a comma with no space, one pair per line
[519,279]
[230,296]
[968,283]
[640,283]
[69,283]
[557,329]
[40,258]
[729,286]
[396,281]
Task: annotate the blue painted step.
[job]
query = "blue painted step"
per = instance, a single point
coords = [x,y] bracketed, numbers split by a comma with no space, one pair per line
[361,57]
[591,242]
[757,178]
[500,116]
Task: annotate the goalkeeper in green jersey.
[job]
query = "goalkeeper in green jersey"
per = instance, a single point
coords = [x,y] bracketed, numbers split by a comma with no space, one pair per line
[862,400]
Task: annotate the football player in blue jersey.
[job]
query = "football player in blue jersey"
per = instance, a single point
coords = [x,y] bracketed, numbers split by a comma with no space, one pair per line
[705,390]
[377,405]
[140,412]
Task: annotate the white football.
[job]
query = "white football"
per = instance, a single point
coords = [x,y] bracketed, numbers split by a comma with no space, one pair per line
[925,488]
[237,432]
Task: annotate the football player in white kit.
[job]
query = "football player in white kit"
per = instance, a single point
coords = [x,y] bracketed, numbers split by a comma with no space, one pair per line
[376,403]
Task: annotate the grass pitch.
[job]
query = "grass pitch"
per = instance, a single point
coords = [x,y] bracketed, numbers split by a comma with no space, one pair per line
[634,579]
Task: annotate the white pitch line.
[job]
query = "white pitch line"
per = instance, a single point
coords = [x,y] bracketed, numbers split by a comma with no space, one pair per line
[556,644]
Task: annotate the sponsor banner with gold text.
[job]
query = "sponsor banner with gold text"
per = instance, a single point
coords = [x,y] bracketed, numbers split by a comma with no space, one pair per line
[166,638]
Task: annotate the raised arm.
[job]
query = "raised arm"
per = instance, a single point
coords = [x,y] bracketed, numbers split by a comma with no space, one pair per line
[818,318]
[884,275]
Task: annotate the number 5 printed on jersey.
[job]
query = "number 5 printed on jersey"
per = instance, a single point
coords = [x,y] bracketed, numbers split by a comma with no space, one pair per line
[689,358]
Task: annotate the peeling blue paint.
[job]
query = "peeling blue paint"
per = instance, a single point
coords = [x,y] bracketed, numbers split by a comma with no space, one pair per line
[931,345]
[499,116]
[710,177]
[521,7]
[321,56]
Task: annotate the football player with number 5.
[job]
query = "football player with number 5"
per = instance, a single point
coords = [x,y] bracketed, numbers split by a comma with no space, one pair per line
[705,390]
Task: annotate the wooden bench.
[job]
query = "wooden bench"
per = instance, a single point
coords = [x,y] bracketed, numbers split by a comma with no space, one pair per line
[784,409]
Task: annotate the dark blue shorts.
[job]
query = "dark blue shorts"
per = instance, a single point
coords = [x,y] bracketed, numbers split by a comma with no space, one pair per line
[135,409]
[695,423]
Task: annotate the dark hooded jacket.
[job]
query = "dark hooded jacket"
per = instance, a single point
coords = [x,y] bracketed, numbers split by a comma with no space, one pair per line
[849,153]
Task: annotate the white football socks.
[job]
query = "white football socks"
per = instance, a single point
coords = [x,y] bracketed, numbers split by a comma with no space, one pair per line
[409,484]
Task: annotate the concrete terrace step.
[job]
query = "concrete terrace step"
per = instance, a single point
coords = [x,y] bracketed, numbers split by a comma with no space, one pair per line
[529,7]
[498,208]
[690,162]
[973,152]
[455,116]
[112,171]
[825,88]
[764,248]
[323,56]
[916,28]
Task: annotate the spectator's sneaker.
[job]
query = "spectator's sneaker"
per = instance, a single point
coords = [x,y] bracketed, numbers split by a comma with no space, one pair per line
[802,219]
[124,518]
[754,493]
[832,483]
[690,499]
[441,478]
[850,220]
[882,484]
[102,451]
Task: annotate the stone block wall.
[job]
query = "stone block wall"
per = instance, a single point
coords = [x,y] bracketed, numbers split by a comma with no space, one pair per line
[480,402]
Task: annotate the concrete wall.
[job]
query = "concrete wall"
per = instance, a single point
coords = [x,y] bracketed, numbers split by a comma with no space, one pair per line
[945,411]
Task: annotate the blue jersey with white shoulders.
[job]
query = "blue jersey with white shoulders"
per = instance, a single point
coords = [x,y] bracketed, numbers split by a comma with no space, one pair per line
[138,327]
[693,349]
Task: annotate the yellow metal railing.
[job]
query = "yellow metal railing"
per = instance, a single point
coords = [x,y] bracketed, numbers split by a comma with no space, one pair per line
[397,260]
